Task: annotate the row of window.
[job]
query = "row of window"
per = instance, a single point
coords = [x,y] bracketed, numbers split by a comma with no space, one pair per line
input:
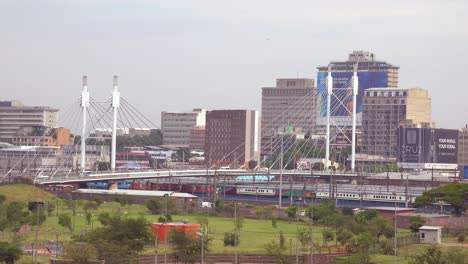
[387,93]
[395,101]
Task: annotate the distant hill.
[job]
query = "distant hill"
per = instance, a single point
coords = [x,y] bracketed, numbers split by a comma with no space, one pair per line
[24,192]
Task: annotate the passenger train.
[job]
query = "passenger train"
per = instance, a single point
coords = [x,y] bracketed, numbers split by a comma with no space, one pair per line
[325,195]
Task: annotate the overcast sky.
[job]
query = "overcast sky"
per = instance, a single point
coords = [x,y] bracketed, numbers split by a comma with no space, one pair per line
[178,55]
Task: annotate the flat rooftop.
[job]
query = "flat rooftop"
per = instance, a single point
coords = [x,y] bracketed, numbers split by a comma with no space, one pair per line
[382,208]
[137,193]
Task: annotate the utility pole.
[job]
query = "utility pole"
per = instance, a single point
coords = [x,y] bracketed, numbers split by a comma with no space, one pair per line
[395,235]
[235,233]
[312,232]
[37,204]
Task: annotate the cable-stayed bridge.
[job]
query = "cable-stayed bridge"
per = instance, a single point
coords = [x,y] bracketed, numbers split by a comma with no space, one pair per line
[117,113]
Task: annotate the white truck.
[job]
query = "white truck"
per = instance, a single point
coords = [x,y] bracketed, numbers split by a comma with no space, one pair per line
[207,205]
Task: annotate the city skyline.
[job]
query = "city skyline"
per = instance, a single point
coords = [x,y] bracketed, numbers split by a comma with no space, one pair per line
[220,54]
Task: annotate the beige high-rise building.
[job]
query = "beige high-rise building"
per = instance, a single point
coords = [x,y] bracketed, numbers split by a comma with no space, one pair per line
[384,110]
[15,116]
[290,105]
[175,127]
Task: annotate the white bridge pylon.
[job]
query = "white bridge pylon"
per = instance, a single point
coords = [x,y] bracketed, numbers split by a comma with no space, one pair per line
[355,89]
[115,103]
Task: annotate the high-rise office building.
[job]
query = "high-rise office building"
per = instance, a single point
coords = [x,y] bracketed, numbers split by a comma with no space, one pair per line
[291,104]
[175,127]
[384,110]
[463,150]
[231,137]
[197,138]
[15,116]
[372,73]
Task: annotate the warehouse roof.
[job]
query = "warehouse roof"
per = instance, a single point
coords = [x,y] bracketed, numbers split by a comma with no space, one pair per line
[138,193]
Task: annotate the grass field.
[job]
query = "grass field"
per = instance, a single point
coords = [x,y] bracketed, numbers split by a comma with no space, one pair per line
[24,192]
[253,236]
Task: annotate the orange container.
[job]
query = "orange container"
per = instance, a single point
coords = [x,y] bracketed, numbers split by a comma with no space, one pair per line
[162,229]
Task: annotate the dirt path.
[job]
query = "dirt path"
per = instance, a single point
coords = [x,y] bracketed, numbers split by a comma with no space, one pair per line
[464,245]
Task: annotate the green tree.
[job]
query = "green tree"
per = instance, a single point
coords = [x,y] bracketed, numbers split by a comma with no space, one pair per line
[282,240]
[277,251]
[33,218]
[72,205]
[128,236]
[230,239]
[80,252]
[323,213]
[239,223]
[219,206]
[17,215]
[344,236]
[386,247]
[347,211]
[431,255]
[88,217]
[304,236]
[9,252]
[415,222]
[364,216]
[328,235]
[115,253]
[274,223]
[291,211]
[453,193]
[3,217]
[123,200]
[203,221]
[50,207]
[187,247]
[379,226]
[455,256]
[183,154]
[154,205]
[65,221]
[105,218]
[2,198]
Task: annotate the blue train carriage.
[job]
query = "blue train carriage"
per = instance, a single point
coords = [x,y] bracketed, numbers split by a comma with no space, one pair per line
[97,185]
[124,185]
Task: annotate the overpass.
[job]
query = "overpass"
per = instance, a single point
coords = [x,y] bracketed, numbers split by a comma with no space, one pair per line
[141,175]
[203,173]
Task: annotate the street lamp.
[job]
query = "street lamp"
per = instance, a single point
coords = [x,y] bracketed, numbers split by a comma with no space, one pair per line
[165,226]
[202,237]
[395,227]
[36,204]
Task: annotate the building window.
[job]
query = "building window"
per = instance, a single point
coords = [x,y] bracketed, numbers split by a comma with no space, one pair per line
[423,235]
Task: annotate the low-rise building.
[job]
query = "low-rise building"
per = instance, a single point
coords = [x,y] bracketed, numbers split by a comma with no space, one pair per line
[175,127]
[14,115]
[430,234]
